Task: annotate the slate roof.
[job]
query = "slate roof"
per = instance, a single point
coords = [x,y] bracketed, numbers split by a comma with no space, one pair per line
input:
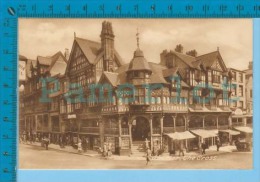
[139,62]
[92,50]
[112,78]
[185,58]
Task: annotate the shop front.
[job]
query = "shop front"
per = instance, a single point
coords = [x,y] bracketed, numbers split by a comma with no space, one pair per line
[175,140]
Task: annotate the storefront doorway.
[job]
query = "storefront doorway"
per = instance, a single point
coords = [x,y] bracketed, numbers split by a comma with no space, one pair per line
[140,129]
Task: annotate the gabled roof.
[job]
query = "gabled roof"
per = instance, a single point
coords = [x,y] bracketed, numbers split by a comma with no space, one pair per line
[23,58]
[207,60]
[56,63]
[89,48]
[157,75]
[170,71]
[92,50]
[185,58]
[111,77]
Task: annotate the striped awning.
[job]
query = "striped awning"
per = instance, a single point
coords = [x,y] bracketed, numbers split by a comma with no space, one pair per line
[180,135]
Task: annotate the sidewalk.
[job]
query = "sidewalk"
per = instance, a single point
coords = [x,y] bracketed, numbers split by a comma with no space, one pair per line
[212,151]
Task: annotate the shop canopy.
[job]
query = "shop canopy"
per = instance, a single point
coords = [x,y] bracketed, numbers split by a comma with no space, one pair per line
[180,135]
[231,132]
[204,133]
[244,129]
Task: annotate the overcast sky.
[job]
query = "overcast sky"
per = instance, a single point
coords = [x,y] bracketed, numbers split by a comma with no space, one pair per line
[233,36]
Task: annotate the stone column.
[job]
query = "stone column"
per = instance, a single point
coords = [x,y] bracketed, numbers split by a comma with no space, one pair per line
[174,122]
[185,122]
[161,124]
[119,133]
[203,122]
[217,122]
[244,121]
[151,130]
[130,133]
[229,121]
[101,131]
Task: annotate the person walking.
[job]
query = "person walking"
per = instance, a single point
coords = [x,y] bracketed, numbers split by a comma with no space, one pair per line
[148,156]
[203,147]
[181,150]
[146,143]
[84,145]
[79,146]
[46,142]
[105,150]
[218,143]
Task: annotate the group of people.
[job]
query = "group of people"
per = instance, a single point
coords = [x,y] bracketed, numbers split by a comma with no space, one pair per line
[204,146]
[107,150]
[82,145]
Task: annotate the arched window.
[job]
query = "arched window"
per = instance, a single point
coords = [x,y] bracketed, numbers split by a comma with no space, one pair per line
[195,122]
[168,121]
[159,100]
[180,121]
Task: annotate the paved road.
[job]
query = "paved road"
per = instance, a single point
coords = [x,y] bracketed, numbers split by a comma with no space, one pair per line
[34,157]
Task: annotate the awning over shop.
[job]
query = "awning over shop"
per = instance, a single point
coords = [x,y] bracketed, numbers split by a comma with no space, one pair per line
[231,132]
[180,135]
[204,133]
[244,129]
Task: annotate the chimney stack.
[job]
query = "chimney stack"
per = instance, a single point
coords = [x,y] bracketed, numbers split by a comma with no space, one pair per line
[192,53]
[66,53]
[107,45]
[179,48]
[250,65]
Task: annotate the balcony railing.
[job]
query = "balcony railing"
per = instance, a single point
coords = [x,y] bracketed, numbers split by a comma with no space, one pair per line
[238,124]
[223,127]
[56,129]
[249,125]
[156,131]
[195,127]
[179,128]
[125,131]
[94,130]
[42,129]
[225,108]
[212,107]
[111,131]
[212,127]
[197,106]
[168,129]
[115,108]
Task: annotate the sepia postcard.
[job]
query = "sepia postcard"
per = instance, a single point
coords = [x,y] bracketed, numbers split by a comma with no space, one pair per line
[135,93]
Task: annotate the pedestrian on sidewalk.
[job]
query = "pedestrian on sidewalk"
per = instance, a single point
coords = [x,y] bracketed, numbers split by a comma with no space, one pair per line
[46,142]
[146,142]
[203,147]
[148,156]
[181,150]
[218,143]
[79,146]
[84,145]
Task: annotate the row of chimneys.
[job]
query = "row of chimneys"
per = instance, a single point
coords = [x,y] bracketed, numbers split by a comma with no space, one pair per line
[179,48]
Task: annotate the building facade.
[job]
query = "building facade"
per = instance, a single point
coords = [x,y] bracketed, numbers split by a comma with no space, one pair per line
[105,100]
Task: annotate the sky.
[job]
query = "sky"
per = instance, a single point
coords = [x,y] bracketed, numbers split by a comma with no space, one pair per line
[234,37]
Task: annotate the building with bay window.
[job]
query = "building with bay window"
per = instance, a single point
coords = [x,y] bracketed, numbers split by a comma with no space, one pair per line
[184,97]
